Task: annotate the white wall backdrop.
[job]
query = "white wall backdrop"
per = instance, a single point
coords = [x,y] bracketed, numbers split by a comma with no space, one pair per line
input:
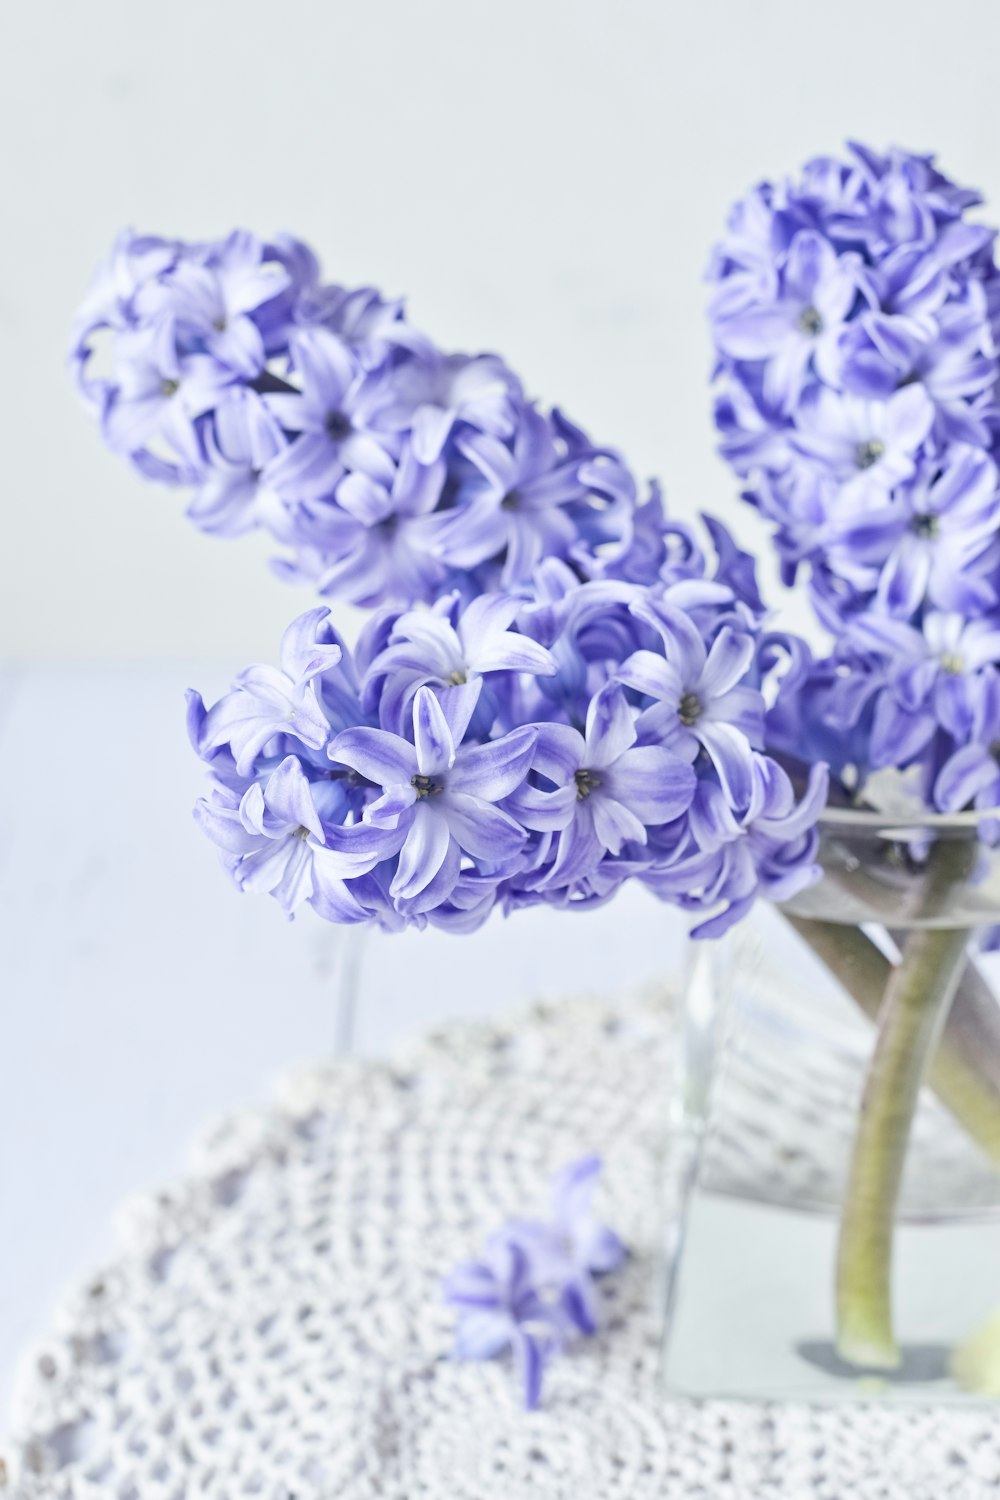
[543,177]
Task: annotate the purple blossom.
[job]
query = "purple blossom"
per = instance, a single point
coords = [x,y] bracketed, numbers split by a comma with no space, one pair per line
[374,544]
[800,323]
[239,441]
[569,1248]
[270,701]
[510,750]
[533,1290]
[211,299]
[936,540]
[924,679]
[452,649]
[970,776]
[439,797]
[276,842]
[335,415]
[605,790]
[158,395]
[768,849]
[437,394]
[865,429]
[500,1309]
[390,470]
[697,700]
[518,502]
[867,446]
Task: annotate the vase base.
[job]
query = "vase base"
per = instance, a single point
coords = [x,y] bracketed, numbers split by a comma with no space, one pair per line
[753,1306]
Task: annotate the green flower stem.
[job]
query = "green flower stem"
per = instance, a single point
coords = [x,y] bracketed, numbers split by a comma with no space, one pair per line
[917,998]
[965,1070]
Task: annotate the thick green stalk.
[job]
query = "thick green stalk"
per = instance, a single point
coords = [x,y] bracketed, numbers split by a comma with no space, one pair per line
[965,1070]
[917,999]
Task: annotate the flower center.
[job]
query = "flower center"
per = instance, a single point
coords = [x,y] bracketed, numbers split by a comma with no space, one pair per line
[338,427]
[869,453]
[952,663]
[424,786]
[586,782]
[510,501]
[689,709]
[219,324]
[169,387]
[458,677]
[925,526]
[810,321]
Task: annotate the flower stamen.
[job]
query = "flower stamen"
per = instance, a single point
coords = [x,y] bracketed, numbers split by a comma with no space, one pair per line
[869,453]
[689,710]
[586,782]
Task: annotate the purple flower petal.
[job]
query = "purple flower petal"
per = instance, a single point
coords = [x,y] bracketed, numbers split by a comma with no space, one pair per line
[481,829]
[423,853]
[380,757]
[615,824]
[730,655]
[610,727]
[494,770]
[652,782]
[432,736]
[732,757]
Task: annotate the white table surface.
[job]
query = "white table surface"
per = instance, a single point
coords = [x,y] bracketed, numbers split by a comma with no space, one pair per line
[141,995]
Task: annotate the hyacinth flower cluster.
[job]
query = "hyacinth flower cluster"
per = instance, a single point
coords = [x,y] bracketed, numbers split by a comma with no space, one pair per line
[511,751]
[534,1290]
[389,470]
[855,312]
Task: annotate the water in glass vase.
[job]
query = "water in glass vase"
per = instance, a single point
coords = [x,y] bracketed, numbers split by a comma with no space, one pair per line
[766,1269]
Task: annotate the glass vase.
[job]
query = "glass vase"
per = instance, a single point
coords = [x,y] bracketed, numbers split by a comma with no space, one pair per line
[835,1170]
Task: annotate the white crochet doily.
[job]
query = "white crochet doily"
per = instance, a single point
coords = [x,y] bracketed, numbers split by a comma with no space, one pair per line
[272,1326]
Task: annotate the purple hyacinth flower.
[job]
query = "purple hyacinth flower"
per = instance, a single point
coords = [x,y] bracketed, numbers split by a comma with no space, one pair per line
[928,676]
[157,392]
[334,415]
[500,1308]
[109,304]
[268,701]
[606,791]
[770,849]
[211,299]
[571,1247]
[449,652]
[434,395]
[273,840]
[797,323]
[373,544]
[868,446]
[239,442]
[698,697]
[936,540]
[516,507]
[372,326]
[970,777]
[439,797]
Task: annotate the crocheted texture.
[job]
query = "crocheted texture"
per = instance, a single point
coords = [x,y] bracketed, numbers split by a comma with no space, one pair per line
[273,1327]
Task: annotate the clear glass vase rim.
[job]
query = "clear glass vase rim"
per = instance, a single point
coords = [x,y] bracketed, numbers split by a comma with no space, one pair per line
[885,824]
